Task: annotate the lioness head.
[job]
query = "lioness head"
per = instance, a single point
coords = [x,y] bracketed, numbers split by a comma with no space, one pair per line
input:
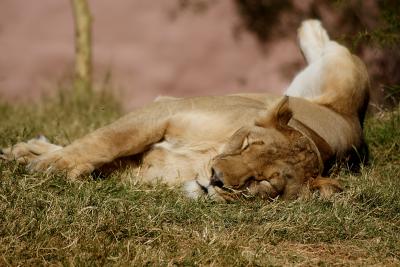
[268,159]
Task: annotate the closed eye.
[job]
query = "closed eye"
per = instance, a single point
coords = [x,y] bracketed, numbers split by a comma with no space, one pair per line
[259,142]
[246,144]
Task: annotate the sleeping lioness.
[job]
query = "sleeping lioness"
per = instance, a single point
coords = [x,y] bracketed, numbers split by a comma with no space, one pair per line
[229,146]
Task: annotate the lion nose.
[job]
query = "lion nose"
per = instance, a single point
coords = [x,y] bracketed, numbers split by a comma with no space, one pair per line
[216,178]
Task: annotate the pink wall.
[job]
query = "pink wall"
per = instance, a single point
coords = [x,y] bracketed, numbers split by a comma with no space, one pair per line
[150,48]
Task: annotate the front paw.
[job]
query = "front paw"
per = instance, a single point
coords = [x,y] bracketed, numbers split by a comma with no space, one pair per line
[61,162]
[19,152]
[26,152]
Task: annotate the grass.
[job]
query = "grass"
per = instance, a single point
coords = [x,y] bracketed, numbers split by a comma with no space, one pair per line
[47,220]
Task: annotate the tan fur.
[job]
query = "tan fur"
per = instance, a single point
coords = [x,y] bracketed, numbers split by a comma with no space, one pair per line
[255,144]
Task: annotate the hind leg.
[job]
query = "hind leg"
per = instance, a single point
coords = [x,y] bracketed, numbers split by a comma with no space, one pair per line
[312,39]
[26,152]
[329,67]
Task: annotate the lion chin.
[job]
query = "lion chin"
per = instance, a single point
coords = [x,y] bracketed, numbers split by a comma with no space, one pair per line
[234,146]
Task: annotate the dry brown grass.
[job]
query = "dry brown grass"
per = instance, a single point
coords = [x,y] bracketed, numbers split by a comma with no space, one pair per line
[46,220]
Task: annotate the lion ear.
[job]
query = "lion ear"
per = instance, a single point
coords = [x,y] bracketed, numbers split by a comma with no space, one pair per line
[279,116]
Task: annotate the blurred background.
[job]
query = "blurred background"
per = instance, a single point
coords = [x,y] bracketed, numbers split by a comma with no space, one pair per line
[142,49]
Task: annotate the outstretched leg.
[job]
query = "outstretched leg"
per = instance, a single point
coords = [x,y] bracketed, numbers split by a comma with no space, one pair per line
[313,40]
[127,136]
[132,134]
[334,77]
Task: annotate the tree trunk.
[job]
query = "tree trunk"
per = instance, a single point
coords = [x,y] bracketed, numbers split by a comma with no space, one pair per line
[83,46]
